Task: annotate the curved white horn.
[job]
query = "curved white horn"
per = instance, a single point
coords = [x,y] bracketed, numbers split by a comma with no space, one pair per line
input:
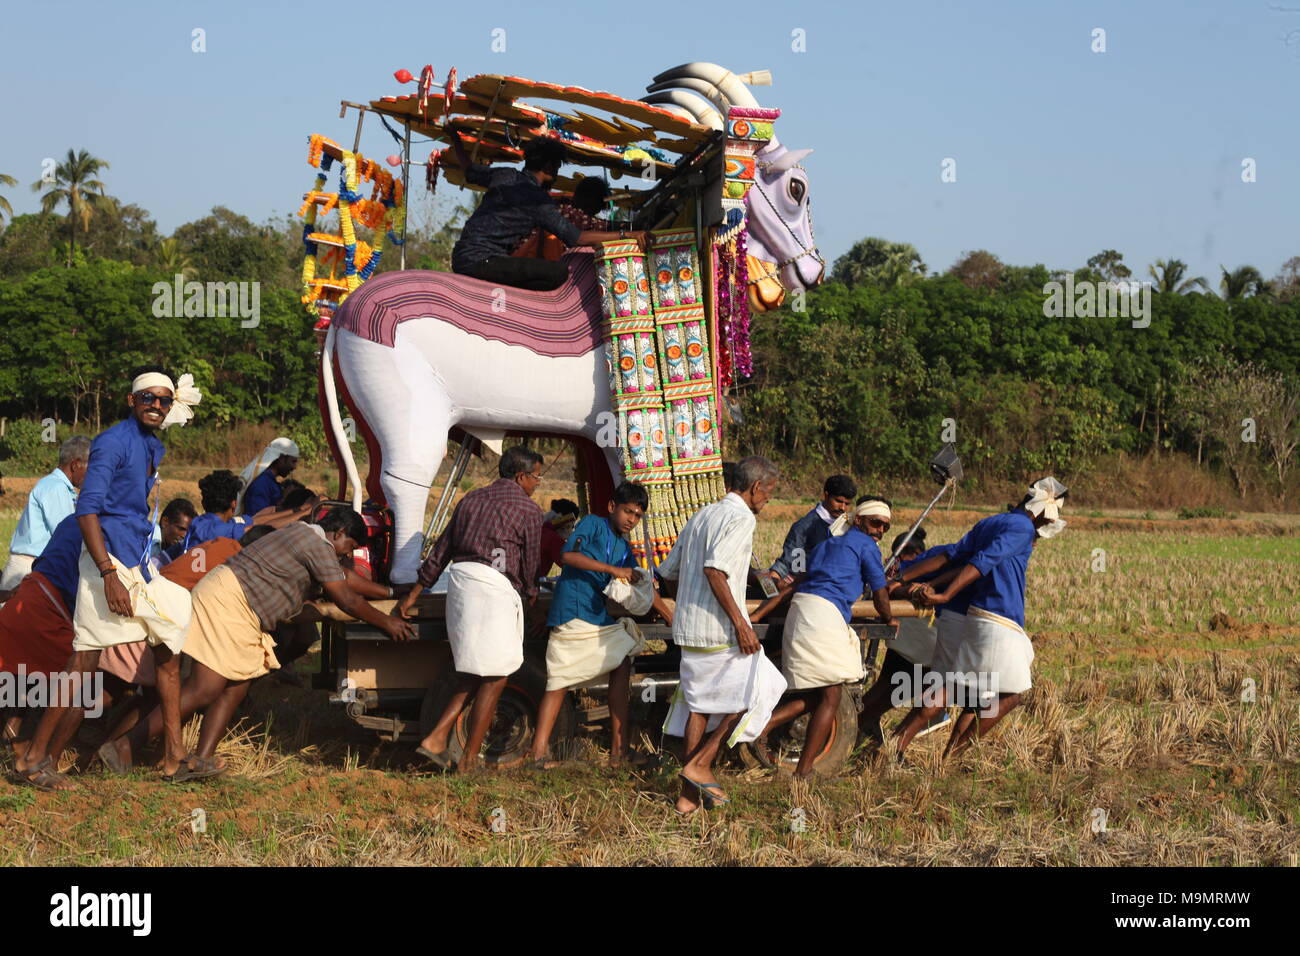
[708,90]
[786,160]
[700,110]
[726,81]
[679,111]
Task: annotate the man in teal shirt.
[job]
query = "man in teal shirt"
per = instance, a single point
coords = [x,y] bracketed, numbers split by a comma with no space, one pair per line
[52,499]
[586,641]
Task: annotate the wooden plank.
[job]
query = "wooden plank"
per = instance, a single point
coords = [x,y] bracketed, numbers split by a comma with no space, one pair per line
[434,606]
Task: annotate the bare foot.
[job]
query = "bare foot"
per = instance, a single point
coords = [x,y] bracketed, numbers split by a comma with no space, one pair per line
[689,800]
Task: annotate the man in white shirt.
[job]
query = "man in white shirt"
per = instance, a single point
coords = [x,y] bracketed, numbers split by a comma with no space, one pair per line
[728,686]
[50,501]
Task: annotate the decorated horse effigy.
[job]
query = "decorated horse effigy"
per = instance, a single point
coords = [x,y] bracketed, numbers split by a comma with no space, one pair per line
[648,342]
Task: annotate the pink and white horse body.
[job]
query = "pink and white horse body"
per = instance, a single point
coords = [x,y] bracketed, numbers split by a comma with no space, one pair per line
[419,353]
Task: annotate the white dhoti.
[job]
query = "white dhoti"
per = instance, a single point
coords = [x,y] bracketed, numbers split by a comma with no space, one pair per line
[993,659]
[916,640]
[160,610]
[721,681]
[819,648]
[579,652]
[485,621]
[949,633]
[16,568]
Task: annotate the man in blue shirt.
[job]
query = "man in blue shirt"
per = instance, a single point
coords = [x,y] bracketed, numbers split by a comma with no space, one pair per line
[50,501]
[812,529]
[820,652]
[118,599]
[991,667]
[265,490]
[913,651]
[516,202]
[586,641]
[220,491]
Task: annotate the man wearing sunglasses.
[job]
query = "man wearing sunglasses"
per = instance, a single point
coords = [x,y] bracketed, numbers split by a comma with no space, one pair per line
[119,600]
[820,652]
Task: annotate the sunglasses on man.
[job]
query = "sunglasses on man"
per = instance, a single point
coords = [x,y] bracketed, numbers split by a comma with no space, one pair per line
[148,398]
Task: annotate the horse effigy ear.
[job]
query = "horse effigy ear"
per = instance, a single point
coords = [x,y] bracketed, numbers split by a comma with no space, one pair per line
[788,159]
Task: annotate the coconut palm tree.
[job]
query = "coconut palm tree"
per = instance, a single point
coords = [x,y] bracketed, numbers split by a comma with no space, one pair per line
[172,259]
[879,262]
[1241,282]
[75,183]
[5,208]
[1168,276]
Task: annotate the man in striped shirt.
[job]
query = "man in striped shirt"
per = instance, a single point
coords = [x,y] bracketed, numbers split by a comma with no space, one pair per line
[492,544]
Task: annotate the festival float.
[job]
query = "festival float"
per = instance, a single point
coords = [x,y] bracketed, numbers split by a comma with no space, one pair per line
[633,360]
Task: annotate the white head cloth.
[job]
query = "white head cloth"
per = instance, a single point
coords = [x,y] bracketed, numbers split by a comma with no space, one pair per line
[278,447]
[871,508]
[183,392]
[1045,498]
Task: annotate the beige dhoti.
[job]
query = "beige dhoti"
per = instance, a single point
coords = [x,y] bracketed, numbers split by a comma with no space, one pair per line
[994,658]
[950,632]
[225,634]
[161,610]
[818,648]
[579,652]
[16,568]
[916,640]
[485,621]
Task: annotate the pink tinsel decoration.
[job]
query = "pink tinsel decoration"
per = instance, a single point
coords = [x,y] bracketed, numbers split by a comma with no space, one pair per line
[723,292]
[734,357]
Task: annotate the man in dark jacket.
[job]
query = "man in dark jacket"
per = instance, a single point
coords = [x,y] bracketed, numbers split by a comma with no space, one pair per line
[812,529]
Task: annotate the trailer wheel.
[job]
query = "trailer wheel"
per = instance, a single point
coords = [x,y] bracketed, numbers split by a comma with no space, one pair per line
[510,735]
[785,744]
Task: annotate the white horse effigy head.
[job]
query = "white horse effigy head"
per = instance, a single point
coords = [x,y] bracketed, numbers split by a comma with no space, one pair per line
[782,254]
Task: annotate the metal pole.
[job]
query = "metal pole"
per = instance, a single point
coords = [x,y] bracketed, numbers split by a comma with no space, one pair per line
[893,559]
[406,192]
[458,467]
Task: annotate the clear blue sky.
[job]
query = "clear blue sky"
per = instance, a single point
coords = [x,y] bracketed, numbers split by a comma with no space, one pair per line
[1060,151]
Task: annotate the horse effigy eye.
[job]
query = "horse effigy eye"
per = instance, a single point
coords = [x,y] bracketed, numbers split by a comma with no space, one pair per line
[796,190]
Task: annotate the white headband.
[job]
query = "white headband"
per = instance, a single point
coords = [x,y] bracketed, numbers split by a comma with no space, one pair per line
[152,380]
[1045,498]
[871,508]
[183,392]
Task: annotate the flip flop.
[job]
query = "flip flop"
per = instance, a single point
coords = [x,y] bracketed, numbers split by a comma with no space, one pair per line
[707,799]
[442,760]
[206,768]
[109,758]
[43,776]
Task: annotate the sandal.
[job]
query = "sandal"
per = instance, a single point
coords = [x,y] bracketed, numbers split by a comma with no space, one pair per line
[43,776]
[195,768]
[442,760]
[108,756]
[635,760]
[708,800]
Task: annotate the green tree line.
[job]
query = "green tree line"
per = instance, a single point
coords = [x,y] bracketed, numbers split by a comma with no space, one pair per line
[872,369]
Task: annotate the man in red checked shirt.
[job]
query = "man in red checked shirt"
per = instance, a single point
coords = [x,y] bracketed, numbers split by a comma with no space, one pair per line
[492,544]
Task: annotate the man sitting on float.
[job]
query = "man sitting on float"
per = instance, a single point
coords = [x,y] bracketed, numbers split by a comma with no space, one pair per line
[516,202]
